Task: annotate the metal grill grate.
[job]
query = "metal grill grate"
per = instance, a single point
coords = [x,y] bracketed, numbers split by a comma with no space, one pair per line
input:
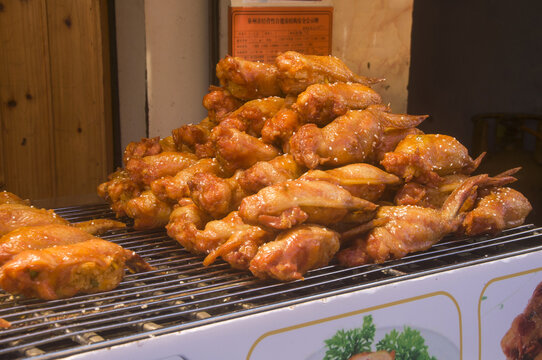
[182,293]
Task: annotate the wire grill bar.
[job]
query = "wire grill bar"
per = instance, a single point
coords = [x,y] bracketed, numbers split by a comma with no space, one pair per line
[182,293]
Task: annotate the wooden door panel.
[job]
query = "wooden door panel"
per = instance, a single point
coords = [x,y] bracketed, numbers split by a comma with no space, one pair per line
[80,100]
[27,151]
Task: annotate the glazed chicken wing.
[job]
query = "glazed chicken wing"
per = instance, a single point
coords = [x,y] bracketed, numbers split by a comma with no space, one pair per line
[148,211]
[194,136]
[145,147]
[321,103]
[174,188]
[219,102]
[350,138]
[189,227]
[284,205]
[425,158]
[278,129]
[118,190]
[252,115]
[238,150]
[14,216]
[298,71]
[497,209]
[63,271]
[149,168]
[248,80]
[219,196]
[361,180]
[294,252]
[433,196]
[39,237]
[404,229]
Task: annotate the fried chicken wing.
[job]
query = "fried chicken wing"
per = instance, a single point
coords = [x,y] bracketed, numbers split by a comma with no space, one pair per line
[404,229]
[174,188]
[497,209]
[149,168]
[238,150]
[10,198]
[39,237]
[145,147]
[425,158]
[294,252]
[524,338]
[63,271]
[188,225]
[280,128]
[219,102]
[321,103]
[216,196]
[350,138]
[298,71]
[361,180]
[14,216]
[284,205]
[118,190]
[185,223]
[148,211]
[194,136]
[252,115]
[433,196]
[219,196]
[248,80]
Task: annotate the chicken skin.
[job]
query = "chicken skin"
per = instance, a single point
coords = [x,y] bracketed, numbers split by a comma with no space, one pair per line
[349,139]
[252,115]
[497,209]
[140,149]
[118,190]
[286,204]
[426,158]
[14,216]
[238,150]
[294,252]
[400,230]
[148,211]
[298,71]
[219,196]
[147,169]
[361,180]
[63,271]
[321,103]
[219,102]
[194,136]
[39,237]
[9,198]
[280,128]
[248,80]
[188,225]
[216,196]
[174,188]
[433,196]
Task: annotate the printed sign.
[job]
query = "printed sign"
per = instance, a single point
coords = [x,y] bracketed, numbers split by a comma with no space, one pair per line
[260,33]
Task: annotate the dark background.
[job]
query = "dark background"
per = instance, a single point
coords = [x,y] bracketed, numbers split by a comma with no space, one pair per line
[478,57]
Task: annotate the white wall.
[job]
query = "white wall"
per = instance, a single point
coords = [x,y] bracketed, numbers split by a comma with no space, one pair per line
[177,63]
[130,31]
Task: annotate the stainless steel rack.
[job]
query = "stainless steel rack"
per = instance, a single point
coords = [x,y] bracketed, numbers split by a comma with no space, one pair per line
[181,293]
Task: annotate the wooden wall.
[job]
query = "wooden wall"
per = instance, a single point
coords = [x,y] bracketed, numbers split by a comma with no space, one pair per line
[55,110]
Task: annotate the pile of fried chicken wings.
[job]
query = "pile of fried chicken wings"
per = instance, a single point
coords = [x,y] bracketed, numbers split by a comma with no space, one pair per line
[299,163]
